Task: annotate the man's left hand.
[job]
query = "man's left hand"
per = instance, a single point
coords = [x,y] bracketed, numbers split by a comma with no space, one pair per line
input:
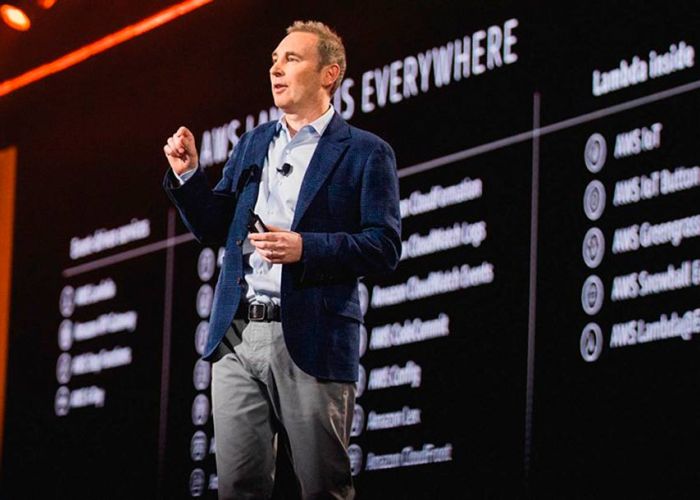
[277,246]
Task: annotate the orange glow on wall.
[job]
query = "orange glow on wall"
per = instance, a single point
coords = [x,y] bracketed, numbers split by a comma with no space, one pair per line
[8,169]
[46,4]
[14,17]
[101,45]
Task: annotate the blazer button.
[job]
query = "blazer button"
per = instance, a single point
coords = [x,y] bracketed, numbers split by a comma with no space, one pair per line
[239,280]
[239,242]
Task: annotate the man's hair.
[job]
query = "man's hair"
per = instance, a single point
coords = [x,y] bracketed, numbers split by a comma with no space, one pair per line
[330,46]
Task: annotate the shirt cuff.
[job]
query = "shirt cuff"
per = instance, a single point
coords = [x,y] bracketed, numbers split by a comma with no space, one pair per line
[182,178]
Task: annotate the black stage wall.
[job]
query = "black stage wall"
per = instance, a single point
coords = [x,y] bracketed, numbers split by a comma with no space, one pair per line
[539,336]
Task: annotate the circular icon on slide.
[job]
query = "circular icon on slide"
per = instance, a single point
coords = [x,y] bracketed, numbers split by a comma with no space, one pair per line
[206,264]
[594,200]
[361,379]
[200,337]
[363,340]
[358,421]
[198,446]
[65,334]
[595,153]
[200,410]
[197,483]
[355,454]
[66,302]
[364,297]
[205,295]
[202,374]
[592,295]
[62,401]
[63,368]
[593,247]
[591,342]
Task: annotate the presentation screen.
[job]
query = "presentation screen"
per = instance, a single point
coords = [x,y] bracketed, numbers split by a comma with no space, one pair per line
[538,336]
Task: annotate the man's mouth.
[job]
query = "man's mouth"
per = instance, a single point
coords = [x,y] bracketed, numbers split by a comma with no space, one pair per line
[279,87]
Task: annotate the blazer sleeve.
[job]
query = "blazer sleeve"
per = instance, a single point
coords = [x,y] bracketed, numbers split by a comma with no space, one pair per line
[376,248]
[207,213]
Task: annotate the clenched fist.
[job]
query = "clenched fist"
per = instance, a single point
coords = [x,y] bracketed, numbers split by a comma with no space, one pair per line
[181,151]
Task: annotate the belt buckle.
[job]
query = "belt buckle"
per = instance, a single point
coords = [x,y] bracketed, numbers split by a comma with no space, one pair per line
[257,312]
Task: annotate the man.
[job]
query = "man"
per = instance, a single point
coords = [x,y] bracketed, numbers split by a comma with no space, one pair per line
[328,194]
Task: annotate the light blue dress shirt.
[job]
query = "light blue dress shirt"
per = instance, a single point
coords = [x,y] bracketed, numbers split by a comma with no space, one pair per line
[277,199]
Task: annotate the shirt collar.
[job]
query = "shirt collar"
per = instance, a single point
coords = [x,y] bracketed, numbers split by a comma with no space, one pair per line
[319,125]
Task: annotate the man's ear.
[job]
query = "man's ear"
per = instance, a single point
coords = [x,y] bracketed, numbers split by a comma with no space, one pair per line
[330,74]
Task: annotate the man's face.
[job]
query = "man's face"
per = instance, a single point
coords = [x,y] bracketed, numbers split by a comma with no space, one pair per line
[295,74]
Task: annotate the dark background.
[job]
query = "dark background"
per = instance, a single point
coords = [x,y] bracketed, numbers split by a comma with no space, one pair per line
[90,156]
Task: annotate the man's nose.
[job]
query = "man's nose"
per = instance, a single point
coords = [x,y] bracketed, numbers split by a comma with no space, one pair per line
[276,69]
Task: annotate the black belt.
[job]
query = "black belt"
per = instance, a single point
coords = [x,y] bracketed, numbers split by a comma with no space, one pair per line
[263,312]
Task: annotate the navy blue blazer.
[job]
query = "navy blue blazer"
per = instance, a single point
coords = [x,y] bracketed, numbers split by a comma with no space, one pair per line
[348,216]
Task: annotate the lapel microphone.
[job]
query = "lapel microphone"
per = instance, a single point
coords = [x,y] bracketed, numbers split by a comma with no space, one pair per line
[285,169]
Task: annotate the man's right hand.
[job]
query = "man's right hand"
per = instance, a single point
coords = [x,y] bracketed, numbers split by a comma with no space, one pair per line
[181,151]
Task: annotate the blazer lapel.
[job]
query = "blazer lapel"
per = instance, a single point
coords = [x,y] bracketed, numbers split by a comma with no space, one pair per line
[261,145]
[254,154]
[329,150]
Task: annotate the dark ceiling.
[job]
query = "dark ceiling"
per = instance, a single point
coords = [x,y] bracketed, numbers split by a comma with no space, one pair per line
[68,25]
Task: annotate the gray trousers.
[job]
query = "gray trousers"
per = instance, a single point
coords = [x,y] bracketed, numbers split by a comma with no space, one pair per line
[264,406]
